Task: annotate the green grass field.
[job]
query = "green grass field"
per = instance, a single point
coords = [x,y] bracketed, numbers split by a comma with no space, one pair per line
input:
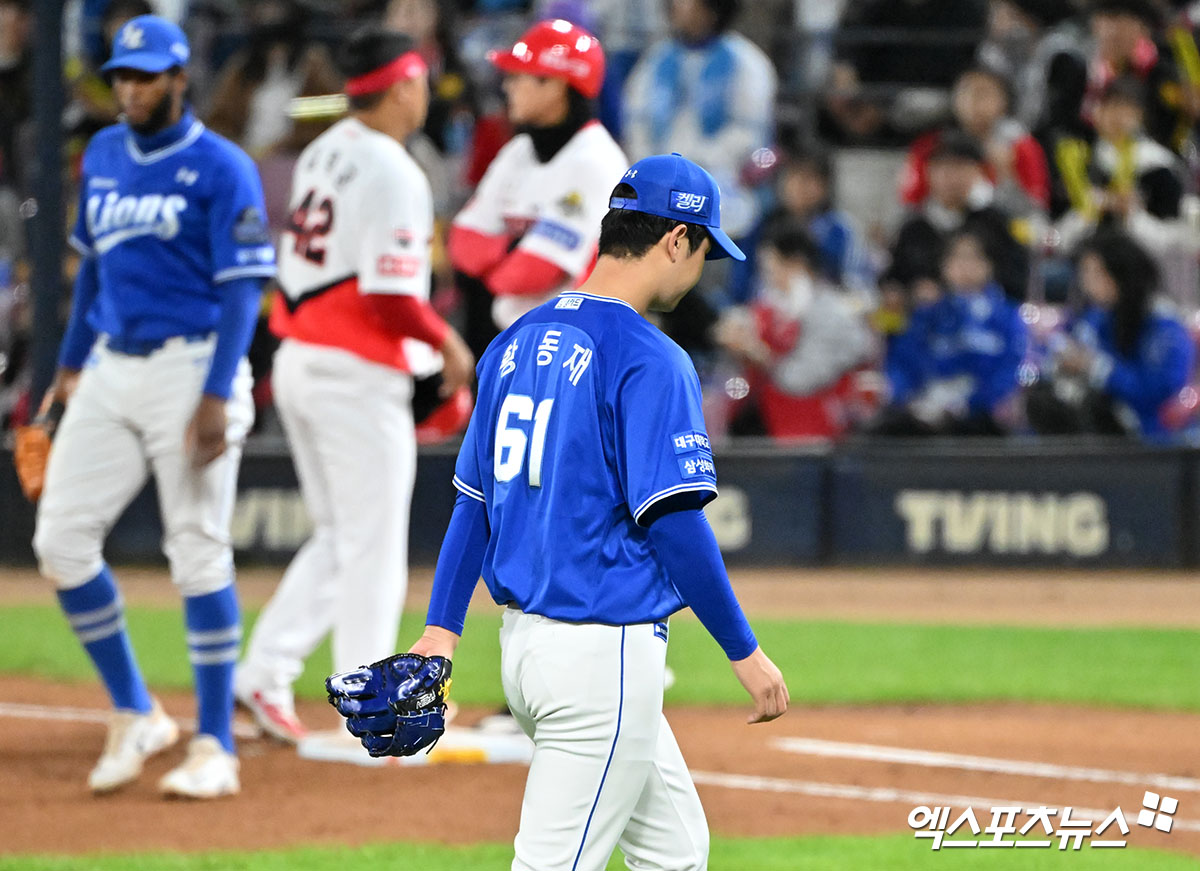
[828,662]
[816,853]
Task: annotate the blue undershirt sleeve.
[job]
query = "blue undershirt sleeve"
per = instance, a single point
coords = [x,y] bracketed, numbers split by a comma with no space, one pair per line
[235,329]
[688,551]
[459,564]
[79,336]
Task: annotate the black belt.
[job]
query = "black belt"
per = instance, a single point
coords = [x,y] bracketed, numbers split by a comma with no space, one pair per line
[145,347]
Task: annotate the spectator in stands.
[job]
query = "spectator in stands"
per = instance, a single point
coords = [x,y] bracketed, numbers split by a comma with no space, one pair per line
[1123,179]
[250,101]
[1123,40]
[16,90]
[709,93]
[627,28]
[886,84]
[1014,165]
[1124,356]
[1027,40]
[954,371]
[801,340]
[959,199]
[452,105]
[804,191]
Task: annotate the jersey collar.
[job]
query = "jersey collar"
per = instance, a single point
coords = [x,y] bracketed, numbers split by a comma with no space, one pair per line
[151,149]
[598,298]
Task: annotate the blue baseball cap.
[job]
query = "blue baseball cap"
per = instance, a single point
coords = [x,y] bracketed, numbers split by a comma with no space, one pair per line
[150,44]
[671,186]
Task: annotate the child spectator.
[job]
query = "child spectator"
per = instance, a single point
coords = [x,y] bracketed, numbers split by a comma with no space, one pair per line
[1123,40]
[801,339]
[805,194]
[1124,179]
[1026,41]
[955,368]
[959,199]
[1015,164]
[1122,358]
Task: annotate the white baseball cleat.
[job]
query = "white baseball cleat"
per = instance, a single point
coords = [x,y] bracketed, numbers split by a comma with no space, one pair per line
[275,713]
[132,738]
[209,771]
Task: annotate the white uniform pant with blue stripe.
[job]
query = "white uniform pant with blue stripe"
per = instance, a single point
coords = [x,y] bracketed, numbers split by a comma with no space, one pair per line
[606,769]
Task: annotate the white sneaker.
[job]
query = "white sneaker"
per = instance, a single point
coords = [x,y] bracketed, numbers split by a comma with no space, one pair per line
[209,771]
[274,712]
[132,738]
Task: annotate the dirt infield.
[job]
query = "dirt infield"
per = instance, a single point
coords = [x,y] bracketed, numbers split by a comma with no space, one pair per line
[841,782]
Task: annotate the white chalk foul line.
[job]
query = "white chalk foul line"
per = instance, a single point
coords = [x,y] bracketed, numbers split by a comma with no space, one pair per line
[932,759]
[911,798]
[97,715]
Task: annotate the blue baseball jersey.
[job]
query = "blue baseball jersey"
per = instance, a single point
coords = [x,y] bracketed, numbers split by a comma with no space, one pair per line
[168,219]
[587,417]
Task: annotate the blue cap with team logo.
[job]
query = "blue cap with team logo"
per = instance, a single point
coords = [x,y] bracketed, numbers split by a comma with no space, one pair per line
[671,186]
[150,44]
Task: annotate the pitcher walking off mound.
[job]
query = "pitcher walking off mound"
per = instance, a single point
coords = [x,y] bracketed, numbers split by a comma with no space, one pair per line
[581,485]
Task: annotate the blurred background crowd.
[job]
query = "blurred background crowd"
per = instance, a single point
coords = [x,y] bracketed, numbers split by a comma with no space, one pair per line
[969,217]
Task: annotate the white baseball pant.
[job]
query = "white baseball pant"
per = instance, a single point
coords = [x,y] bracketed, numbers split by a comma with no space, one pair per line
[350,428]
[606,769]
[127,418]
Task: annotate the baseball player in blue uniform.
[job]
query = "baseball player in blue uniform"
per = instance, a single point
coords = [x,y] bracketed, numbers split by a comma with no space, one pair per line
[581,483]
[175,251]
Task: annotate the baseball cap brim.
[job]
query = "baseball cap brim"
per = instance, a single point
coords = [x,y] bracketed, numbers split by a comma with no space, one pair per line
[723,246]
[143,61]
[506,62]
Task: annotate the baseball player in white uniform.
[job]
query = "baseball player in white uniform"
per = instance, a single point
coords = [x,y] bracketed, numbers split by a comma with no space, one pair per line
[354,315]
[530,230]
[175,251]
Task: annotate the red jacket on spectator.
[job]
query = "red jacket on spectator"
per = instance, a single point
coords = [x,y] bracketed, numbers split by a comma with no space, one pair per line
[1029,169]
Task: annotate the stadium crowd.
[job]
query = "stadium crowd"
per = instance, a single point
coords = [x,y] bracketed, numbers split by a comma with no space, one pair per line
[963,216]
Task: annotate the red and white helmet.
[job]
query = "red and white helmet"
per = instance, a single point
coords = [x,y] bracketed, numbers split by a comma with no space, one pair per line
[557,49]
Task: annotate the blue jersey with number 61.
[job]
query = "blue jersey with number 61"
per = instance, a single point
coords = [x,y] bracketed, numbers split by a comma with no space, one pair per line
[588,423]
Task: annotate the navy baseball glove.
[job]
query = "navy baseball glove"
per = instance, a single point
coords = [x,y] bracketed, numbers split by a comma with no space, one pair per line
[395,707]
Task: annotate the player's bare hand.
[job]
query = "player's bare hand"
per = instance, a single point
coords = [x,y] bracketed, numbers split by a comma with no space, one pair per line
[764,682]
[436,641]
[459,364]
[61,389]
[204,440]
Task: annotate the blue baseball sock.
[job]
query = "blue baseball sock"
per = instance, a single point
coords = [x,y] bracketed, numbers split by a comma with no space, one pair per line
[214,635]
[97,615]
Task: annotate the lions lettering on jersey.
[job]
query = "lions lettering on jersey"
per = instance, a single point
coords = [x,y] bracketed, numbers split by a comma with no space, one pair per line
[113,219]
[587,418]
[168,225]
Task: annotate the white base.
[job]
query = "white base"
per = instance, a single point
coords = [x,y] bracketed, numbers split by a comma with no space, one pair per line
[457,746]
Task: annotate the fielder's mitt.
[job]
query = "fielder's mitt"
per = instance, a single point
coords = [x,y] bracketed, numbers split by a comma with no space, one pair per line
[32,450]
[395,707]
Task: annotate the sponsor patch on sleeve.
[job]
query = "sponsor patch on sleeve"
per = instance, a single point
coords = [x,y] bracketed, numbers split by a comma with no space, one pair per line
[691,440]
[250,228]
[697,466]
[397,266]
[559,234]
